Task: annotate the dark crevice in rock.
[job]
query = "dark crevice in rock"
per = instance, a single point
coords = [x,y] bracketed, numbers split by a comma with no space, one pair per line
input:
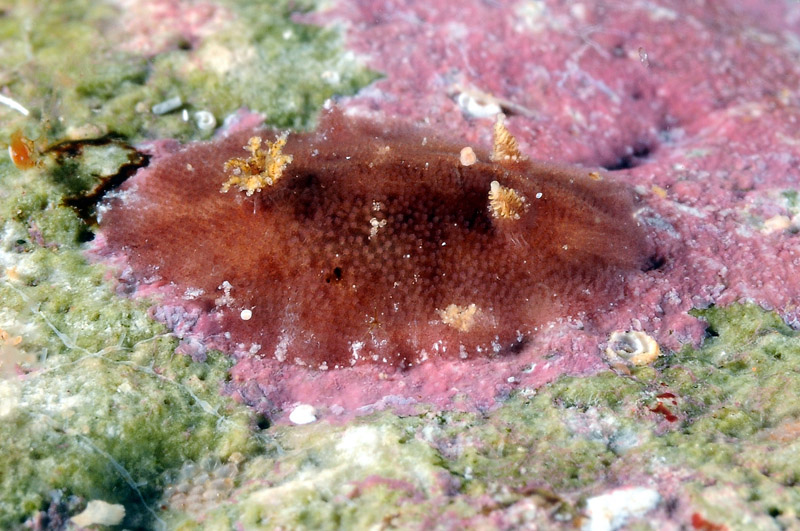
[84,203]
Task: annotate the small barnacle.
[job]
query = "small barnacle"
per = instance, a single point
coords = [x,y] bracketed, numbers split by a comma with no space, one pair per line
[505,203]
[263,168]
[462,318]
[204,120]
[633,348]
[505,147]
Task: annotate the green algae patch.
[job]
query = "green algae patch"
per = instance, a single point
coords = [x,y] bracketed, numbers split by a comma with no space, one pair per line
[331,477]
[722,420]
[84,69]
[268,63]
[94,404]
[107,427]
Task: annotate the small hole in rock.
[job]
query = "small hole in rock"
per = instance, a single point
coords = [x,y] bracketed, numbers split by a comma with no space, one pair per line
[634,156]
[518,346]
[85,235]
[654,263]
[262,422]
[641,150]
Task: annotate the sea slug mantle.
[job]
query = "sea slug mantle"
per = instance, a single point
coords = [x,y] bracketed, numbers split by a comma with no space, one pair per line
[376,244]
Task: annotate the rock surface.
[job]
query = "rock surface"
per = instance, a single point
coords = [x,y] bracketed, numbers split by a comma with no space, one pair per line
[693,105]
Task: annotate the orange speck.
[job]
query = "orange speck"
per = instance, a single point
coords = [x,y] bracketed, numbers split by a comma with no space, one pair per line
[8,339]
[21,151]
[658,191]
[698,522]
[12,273]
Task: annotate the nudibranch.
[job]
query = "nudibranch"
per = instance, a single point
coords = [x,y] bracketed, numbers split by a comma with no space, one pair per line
[364,244]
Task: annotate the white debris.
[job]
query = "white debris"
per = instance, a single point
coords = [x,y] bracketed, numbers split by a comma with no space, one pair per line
[282,347]
[475,106]
[303,414]
[375,225]
[643,57]
[10,395]
[246,315]
[98,512]
[359,446]
[332,77]
[167,106]
[226,299]
[578,11]
[192,293]
[611,511]
[777,224]
[14,104]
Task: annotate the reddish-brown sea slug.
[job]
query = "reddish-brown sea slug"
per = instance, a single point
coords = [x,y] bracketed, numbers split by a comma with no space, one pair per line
[360,243]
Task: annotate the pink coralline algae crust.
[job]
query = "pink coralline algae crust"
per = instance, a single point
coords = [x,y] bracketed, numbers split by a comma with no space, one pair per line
[154,26]
[695,105]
